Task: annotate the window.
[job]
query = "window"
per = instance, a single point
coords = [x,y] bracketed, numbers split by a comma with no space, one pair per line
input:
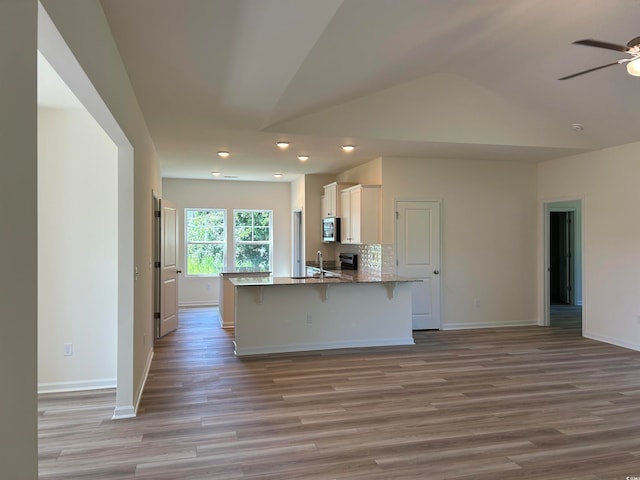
[206,234]
[253,238]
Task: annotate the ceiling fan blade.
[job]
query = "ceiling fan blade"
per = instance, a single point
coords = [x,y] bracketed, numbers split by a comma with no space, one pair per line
[588,71]
[597,43]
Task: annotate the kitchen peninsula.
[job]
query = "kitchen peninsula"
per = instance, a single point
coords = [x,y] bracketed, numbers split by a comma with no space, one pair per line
[288,314]
[227,291]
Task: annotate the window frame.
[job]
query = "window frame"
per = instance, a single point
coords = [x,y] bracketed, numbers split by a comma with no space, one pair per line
[260,242]
[223,242]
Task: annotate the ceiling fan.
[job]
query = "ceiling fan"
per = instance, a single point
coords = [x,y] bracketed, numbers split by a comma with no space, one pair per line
[632,48]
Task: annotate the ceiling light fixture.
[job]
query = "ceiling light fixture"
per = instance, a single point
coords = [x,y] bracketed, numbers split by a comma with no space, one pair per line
[216,174]
[633,68]
[282,145]
[303,158]
[223,154]
[348,148]
[277,175]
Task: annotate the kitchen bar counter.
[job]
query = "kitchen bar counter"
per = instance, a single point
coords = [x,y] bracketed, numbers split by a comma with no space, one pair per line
[284,314]
[226,298]
[345,276]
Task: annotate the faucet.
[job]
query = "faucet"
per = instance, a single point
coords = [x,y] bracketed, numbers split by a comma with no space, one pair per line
[319,260]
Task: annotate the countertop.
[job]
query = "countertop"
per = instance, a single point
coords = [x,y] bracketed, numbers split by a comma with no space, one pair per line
[243,270]
[345,276]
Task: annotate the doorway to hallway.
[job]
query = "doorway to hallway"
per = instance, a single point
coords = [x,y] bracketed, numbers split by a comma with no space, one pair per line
[563,299]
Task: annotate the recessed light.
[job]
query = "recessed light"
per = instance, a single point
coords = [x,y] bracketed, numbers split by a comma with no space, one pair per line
[277,175]
[216,174]
[282,145]
[303,158]
[223,154]
[348,148]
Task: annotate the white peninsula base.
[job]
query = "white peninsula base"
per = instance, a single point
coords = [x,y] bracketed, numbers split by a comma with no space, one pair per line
[317,316]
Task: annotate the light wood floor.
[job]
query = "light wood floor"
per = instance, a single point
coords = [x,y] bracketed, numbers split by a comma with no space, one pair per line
[511,403]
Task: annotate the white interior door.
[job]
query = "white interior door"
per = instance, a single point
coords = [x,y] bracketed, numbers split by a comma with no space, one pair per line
[168,268]
[418,256]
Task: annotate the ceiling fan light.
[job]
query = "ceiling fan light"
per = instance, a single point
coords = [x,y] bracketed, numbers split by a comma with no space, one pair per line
[633,68]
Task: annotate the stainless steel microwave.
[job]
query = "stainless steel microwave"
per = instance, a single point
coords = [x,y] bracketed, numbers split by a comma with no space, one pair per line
[331,229]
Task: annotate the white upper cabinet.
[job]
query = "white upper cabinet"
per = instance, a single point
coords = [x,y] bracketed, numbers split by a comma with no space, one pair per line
[331,199]
[360,214]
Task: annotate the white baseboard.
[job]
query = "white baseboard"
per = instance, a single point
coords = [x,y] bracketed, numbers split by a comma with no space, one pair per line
[124,412]
[143,381]
[387,342]
[470,325]
[612,341]
[203,303]
[130,411]
[97,384]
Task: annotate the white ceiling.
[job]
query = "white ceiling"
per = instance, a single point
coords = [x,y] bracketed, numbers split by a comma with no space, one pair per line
[428,78]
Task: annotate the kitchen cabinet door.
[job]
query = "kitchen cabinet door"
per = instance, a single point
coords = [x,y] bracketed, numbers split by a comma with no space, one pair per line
[331,200]
[361,214]
[345,214]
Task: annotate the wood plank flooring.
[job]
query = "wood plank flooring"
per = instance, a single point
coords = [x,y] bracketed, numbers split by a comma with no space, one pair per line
[511,403]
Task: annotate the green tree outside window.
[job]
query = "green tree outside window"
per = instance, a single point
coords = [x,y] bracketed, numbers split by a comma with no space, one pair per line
[206,241]
[253,237]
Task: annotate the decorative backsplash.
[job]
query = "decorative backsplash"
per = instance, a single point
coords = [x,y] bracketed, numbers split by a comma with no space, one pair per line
[374,258]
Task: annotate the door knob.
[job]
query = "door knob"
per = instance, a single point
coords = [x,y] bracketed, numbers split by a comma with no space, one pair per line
[178,272]
[436,272]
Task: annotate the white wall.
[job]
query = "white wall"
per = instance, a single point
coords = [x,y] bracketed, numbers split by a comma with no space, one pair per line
[85,30]
[18,238]
[607,180]
[488,234]
[229,195]
[77,251]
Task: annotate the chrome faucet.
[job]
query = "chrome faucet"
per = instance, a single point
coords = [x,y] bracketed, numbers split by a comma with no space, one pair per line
[319,260]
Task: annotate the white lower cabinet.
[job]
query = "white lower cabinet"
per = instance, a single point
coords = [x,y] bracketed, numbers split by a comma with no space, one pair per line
[360,214]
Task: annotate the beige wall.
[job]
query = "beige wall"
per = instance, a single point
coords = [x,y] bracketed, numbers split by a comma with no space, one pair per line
[607,181]
[18,237]
[230,195]
[488,234]
[77,251]
[313,215]
[369,173]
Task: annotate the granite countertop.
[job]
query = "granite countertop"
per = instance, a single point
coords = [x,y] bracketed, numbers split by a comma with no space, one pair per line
[346,276]
[247,270]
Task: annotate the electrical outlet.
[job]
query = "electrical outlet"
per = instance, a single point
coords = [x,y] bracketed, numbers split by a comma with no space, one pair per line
[68,349]
[309,319]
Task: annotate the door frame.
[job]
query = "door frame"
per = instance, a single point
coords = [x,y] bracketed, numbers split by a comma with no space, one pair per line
[548,206]
[440,239]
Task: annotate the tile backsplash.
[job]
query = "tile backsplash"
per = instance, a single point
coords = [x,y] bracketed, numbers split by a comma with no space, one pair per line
[373,258]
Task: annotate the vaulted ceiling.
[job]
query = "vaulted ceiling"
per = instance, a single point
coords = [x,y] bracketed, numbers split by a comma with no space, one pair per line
[473,79]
